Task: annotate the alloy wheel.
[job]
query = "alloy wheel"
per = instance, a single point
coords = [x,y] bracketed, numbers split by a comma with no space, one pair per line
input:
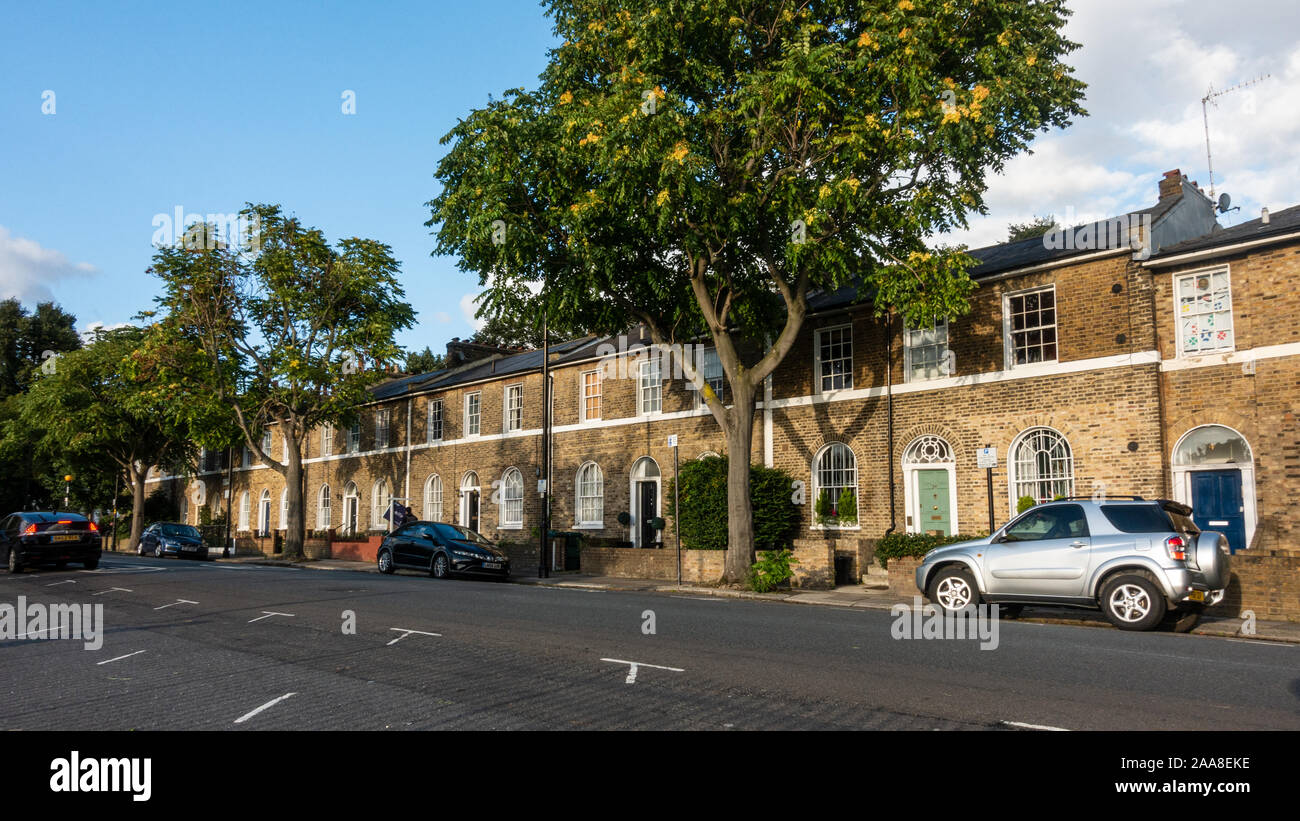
[1130,603]
[954,593]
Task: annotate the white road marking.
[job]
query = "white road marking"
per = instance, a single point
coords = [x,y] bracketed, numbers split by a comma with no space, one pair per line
[631,673]
[119,658]
[111,589]
[1025,726]
[173,604]
[1262,641]
[406,633]
[699,598]
[56,584]
[271,703]
[268,615]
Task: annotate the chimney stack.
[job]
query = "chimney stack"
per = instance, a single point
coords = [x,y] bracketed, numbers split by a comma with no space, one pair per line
[1263,215]
[1172,184]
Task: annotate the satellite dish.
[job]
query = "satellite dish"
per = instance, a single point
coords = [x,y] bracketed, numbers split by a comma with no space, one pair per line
[1225,202]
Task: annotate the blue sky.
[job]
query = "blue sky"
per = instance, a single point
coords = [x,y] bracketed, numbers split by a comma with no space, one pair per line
[159,106]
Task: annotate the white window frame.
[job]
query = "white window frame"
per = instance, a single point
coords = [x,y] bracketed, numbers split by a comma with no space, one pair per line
[1008,344]
[264,511]
[707,357]
[818,364]
[351,523]
[433,498]
[512,417]
[327,440]
[383,428]
[910,347]
[817,488]
[284,508]
[267,441]
[928,452]
[596,522]
[506,518]
[1182,352]
[377,510]
[354,437]
[649,387]
[245,511]
[475,398]
[583,396]
[324,510]
[434,410]
[1015,480]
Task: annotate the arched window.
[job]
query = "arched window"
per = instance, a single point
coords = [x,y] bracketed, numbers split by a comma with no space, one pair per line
[323,509]
[708,454]
[928,450]
[591,496]
[243,511]
[381,499]
[835,486]
[512,499]
[470,482]
[433,498]
[1212,445]
[264,512]
[1041,466]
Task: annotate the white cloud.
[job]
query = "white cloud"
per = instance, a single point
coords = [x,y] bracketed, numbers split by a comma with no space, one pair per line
[442,316]
[467,308]
[88,331]
[28,271]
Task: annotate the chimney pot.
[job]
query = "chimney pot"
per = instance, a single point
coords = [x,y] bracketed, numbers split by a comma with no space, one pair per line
[1263,215]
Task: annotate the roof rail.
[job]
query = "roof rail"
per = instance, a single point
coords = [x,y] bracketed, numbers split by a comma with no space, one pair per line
[1098,498]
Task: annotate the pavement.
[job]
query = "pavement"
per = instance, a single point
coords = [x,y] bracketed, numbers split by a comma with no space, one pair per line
[845,596]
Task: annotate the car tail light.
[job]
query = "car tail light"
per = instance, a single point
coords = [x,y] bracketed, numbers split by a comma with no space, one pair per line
[94,528]
[1177,548]
[30,531]
[65,521]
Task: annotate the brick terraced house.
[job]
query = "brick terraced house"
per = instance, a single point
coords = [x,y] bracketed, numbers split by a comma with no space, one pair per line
[1155,354]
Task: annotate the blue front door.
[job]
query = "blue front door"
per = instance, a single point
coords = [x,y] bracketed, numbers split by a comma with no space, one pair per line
[1217,505]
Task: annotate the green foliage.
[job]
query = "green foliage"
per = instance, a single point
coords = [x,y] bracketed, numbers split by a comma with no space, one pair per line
[704,512]
[1036,227]
[28,339]
[897,545]
[425,361]
[846,507]
[1024,503]
[772,570]
[160,507]
[823,508]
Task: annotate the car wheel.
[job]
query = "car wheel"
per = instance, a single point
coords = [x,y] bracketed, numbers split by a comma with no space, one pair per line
[91,564]
[158,551]
[953,589]
[15,563]
[441,568]
[385,562]
[1132,602]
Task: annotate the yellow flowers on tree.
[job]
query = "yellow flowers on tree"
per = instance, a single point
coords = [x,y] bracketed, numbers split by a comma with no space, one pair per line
[728,201]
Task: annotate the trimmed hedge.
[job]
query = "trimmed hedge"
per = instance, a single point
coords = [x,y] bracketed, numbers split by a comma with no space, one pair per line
[703,519]
[898,545]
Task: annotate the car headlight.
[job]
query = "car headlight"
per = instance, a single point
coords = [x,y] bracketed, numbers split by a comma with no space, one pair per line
[465,554]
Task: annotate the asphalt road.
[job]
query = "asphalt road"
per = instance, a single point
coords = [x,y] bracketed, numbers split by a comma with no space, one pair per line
[204,645]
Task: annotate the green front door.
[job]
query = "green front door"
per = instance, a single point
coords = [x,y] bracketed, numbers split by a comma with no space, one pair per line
[933,501]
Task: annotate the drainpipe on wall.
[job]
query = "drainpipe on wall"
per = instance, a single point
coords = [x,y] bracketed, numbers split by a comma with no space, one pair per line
[889,415]
[406,483]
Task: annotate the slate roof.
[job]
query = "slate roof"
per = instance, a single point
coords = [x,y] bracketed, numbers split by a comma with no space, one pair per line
[1282,222]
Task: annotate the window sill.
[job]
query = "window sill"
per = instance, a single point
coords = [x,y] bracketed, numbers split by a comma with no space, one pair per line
[519,526]
[835,527]
[590,526]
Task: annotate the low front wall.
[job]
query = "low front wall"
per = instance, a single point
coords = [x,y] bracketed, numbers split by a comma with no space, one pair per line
[366,551]
[698,566]
[1265,582]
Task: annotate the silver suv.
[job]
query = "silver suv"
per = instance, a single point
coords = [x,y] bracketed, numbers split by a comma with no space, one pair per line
[1137,560]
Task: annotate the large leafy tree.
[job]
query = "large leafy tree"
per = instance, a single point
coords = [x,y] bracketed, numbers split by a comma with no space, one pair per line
[95,420]
[702,166]
[287,335]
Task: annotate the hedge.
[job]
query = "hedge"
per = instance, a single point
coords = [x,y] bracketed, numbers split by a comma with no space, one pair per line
[898,545]
[703,519]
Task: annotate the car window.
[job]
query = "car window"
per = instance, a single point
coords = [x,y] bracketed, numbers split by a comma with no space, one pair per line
[1054,522]
[457,533]
[1137,518]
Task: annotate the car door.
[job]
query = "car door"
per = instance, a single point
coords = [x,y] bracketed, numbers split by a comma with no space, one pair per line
[1044,553]
[404,549]
[424,544]
[149,539]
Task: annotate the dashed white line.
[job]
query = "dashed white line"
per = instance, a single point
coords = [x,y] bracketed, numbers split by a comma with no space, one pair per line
[634,665]
[173,604]
[406,633]
[268,615]
[56,584]
[119,658]
[1022,725]
[111,589]
[269,704]
[1262,641]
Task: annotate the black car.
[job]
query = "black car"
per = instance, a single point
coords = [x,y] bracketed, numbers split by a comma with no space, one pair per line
[172,539]
[441,549]
[31,538]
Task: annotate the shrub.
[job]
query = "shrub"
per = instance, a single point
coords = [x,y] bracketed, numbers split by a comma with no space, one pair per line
[1024,503]
[897,545]
[703,517]
[772,570]
[825,512]
[847,507]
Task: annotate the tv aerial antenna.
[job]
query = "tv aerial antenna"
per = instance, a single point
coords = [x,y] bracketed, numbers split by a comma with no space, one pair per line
[1208,100]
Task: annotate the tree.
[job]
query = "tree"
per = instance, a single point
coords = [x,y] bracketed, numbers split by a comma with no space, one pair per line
[522,328]
[702,166]
[1036,227]
[425,361]
[283,335]
[94,419]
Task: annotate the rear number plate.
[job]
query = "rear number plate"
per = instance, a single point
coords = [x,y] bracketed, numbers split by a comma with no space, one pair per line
[65,538]
[491,565]
[1197,595]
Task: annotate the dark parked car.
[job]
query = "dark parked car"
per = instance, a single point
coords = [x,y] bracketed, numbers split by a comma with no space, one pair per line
[172,539]
[442,550]
[31,538]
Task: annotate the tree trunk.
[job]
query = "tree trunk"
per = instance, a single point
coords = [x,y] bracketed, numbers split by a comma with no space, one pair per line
[137,507]
[294,528]
[740,507]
